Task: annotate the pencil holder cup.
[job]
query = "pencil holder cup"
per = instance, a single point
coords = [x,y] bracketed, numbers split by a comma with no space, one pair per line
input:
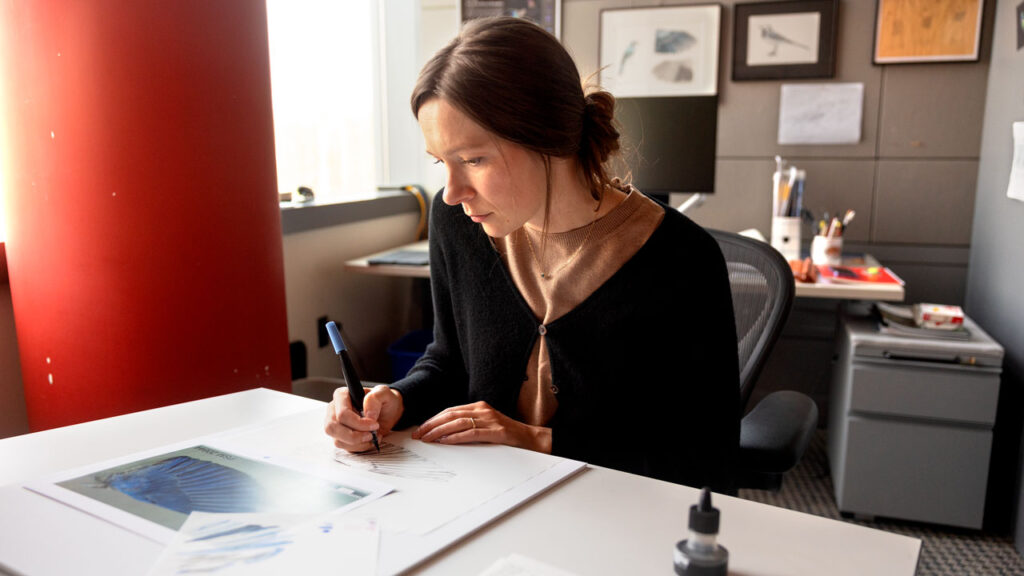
[786,236]
[827,251]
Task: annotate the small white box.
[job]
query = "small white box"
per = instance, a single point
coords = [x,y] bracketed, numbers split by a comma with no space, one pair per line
[938,316]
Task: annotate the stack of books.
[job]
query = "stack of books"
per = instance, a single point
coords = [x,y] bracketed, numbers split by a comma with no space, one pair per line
[859,275]
[901,321]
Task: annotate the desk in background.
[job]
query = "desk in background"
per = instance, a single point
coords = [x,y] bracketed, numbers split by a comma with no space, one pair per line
[599,522]
[820,289]
[363,265]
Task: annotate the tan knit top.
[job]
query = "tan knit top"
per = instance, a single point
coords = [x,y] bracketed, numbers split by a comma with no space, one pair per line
[614,239]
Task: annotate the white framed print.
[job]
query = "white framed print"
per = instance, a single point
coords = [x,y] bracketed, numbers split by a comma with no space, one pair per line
[660,50]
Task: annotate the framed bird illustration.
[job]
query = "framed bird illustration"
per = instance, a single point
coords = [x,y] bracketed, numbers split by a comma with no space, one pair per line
[660,51]
[782,40]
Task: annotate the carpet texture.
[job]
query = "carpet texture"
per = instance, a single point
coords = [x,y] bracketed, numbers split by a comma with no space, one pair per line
[945,551]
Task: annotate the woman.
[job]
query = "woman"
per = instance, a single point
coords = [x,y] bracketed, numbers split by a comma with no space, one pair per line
[573,315]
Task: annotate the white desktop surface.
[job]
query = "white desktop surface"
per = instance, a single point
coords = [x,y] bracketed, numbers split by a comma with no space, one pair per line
[600,521]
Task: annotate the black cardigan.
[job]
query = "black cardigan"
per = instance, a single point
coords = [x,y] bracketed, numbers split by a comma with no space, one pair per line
[646,367]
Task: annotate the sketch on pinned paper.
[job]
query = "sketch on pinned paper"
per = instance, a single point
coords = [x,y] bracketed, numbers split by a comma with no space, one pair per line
[395,460]
[821,113]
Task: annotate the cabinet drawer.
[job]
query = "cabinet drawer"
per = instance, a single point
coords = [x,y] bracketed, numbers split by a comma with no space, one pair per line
[923,472]
[916,389]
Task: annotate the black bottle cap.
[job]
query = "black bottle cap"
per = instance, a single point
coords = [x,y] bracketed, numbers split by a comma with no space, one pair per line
[703,516]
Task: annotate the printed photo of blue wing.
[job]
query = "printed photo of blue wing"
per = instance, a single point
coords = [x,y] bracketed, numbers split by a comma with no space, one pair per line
[165,489]
[184,484]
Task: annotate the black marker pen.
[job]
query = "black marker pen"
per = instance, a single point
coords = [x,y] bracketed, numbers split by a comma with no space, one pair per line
[355,387]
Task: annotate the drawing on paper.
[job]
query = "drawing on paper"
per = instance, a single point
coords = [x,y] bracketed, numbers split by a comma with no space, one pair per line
[225,543]
[269,544]
[775,39]
[934,31]
[660,51]
[164,489]
[394,460]
[673,41]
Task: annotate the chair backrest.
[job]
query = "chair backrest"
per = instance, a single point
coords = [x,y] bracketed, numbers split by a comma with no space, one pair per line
[762,293]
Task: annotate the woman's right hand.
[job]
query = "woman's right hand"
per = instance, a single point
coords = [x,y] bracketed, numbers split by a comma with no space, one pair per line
[382,407]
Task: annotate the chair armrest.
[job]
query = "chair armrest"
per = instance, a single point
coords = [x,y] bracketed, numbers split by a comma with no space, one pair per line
[775,434]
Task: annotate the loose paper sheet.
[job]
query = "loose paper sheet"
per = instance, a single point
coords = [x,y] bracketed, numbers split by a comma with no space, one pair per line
[434,484]
[441,493]
[269,545]
[1015,189]
[821,113]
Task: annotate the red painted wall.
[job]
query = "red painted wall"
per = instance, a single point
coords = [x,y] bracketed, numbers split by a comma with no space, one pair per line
[144,235]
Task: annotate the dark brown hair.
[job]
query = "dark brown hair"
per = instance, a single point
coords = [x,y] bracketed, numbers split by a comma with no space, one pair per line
[517,81]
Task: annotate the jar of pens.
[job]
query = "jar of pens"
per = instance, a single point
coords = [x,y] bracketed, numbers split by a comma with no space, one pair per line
[827,245]
[787,206]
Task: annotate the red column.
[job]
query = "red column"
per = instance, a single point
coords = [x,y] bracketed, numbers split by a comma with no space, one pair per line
[144,235]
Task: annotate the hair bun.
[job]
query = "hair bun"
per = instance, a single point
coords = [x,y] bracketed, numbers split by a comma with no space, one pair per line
[599,133]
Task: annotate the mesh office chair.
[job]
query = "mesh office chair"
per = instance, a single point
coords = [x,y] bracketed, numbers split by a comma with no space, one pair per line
[775,434]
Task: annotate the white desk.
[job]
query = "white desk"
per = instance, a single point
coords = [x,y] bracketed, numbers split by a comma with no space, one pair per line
[820,289]
[599,522]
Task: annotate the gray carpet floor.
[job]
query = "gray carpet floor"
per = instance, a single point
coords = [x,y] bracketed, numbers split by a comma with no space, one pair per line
[945,551]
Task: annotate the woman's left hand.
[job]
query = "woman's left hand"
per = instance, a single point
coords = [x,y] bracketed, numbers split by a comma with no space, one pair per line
[479,422]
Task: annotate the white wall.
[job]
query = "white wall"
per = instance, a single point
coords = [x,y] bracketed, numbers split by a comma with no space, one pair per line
[372,311]
[996,270]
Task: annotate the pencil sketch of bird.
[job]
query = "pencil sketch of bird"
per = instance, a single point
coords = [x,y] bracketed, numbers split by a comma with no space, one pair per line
[626,55]
[776,39]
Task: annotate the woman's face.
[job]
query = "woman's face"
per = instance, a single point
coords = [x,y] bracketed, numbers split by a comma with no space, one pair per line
[500,185]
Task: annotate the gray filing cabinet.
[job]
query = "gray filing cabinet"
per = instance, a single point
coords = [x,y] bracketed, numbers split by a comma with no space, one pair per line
[910,423]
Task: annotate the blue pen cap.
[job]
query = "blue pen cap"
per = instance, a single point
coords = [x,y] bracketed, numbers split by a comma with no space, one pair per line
[332,331]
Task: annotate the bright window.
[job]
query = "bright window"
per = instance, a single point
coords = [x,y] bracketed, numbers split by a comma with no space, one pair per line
[322,81]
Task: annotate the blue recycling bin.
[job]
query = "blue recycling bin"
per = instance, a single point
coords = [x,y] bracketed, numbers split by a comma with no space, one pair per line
[405,351]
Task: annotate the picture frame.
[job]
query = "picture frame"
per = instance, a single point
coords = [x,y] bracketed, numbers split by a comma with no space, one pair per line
[545,13]
[1019,25]
[948,31]
[660,51]
[785,40]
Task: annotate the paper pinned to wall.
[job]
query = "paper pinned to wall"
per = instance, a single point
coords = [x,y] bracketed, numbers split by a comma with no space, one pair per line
[1015,189]
[821,113]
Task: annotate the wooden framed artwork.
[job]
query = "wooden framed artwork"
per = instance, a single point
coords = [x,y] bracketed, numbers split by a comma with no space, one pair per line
[928,31]
[660,50]
[782,40]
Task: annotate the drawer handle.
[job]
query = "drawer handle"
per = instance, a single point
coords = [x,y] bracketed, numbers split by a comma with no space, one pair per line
[923,357]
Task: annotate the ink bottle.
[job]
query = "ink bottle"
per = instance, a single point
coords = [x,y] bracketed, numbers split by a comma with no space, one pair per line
[700,555]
